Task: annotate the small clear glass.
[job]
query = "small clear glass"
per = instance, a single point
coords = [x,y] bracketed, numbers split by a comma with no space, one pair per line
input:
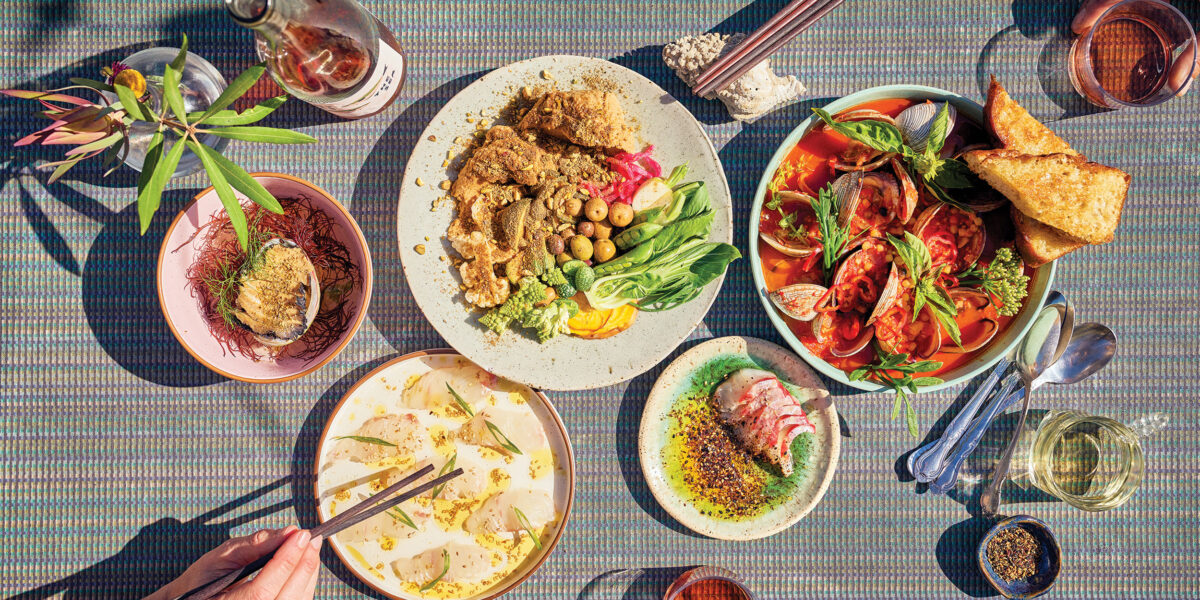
[1127,58]
[1090,462]
[200,85]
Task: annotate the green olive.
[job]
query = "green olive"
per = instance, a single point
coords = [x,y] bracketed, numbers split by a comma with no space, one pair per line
[581,247]
[620,214]
[573,207]
[604,250]
[595,209]
[564,258]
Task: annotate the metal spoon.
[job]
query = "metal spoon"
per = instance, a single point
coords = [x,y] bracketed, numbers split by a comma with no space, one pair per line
[1091,348]
[1030,363]
[927,462]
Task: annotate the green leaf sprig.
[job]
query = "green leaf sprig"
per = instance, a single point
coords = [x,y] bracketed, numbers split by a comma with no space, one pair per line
[495,431]
[446,468]
[882,371]
[462,404]
[834,236]
[445,569]
[528,527]
[177,129]
[501,438]
[366,440]
[926,292]
[399,515]
[938,174]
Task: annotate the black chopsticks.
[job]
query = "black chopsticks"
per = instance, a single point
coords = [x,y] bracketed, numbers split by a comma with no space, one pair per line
[352,516]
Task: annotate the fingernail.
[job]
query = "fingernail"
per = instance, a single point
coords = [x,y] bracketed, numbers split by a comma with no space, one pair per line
[316,542]
[302,538]
[289,529]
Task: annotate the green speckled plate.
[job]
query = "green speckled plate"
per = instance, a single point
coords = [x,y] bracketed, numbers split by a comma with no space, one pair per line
[679,396]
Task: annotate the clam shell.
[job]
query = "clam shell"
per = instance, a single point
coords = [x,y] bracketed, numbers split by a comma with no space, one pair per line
[986,333]
[846,192]
[908,193]
[877,159]
[800,301]
[863,260]
[915,122]
[888,296]
[827,322]
[968,253]
[863,114]
[788,247]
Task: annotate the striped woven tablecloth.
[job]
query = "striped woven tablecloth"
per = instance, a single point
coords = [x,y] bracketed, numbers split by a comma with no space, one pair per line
[122,459]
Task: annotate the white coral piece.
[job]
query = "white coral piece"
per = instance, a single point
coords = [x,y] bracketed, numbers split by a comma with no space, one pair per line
[752,95]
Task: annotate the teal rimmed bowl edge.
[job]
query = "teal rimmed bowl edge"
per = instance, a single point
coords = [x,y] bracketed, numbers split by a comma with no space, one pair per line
[966,106]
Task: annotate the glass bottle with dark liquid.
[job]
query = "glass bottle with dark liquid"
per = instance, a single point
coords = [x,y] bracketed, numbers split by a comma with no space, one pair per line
[329,53]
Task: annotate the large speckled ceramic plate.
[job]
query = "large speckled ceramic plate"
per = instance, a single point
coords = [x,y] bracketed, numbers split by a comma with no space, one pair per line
[701,367]
[565,362]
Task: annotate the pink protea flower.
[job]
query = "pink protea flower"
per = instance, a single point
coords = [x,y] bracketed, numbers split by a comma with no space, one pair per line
[90,127]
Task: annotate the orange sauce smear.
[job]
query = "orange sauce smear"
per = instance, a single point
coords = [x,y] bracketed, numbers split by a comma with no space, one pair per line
[811,158]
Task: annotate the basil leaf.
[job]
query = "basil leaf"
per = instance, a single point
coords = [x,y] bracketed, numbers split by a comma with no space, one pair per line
[366,440]
[875,134]
[954,174]
[938,131]
[858,374]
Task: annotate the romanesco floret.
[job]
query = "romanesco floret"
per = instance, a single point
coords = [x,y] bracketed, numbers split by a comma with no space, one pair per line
[554,277]
[518,305]
[551,320]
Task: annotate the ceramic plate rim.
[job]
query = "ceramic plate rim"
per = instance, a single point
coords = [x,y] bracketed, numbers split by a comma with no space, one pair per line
[906,91]
[320,451]
[366,269]
[534,379]
[655,402]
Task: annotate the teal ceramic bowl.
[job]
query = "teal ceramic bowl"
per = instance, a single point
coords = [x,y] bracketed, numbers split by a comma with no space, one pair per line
[1000,346]
[1049,566]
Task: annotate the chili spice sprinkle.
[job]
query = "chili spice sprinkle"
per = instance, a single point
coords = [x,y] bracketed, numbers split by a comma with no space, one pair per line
[714,466]
[1014,554]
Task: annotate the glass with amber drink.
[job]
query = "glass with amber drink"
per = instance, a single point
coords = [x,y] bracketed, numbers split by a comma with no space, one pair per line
[708,583]
[1126,59]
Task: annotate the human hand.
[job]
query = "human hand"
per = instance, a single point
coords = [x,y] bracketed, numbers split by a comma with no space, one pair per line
[1184,69]
[290,575]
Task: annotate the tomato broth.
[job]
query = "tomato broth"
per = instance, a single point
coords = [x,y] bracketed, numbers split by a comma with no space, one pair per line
[807,168]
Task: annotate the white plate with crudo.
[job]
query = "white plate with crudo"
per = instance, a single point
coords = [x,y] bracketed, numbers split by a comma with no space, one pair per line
[565,362]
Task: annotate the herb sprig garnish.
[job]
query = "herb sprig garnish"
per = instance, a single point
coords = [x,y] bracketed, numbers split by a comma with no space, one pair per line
[938,174]
[462,404]
[926,291]
[366,440]
[403,517]
[527,526]
[445,569]
[834,236]
[495,431]
[446,468]
[502,439]
[881,371]
[1004,278]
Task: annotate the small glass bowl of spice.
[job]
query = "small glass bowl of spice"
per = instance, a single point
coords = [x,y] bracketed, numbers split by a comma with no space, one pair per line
[1020,557]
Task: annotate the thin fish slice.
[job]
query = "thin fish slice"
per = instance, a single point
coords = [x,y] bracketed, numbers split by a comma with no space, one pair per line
[473,384]
[497,515]
[763,414]
[468,564]
[518,428]
[402,436]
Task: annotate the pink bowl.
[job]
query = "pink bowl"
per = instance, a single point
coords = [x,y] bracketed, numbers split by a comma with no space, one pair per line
[183,312]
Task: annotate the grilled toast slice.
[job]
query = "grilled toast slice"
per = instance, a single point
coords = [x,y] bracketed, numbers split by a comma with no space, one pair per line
[1080,198]
[1016,129]
[1039,243]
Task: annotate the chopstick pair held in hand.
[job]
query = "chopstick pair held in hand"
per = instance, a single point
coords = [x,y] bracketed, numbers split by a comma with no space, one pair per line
[283,559]
[292,573]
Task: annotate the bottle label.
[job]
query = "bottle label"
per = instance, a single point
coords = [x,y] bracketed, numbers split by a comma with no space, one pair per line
[378,90]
